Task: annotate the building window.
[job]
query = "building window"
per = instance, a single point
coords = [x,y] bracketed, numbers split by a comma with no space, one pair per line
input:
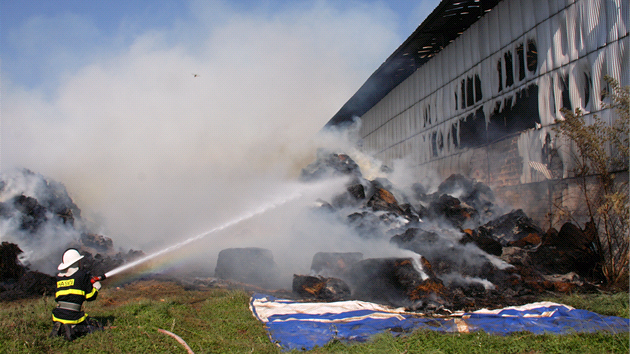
[520,56]
[478,94]
[532,55]
[509,74]
[463,94]
[587,89]
[470,100]
[566,98]
[454,134]
[500,71]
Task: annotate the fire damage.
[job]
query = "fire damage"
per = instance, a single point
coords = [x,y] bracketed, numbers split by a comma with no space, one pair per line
[460,250]
[47,219]
[457,249]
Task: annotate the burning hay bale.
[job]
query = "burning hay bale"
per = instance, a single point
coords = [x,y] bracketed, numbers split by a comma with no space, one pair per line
[10,267]
[510,228]
[38,215]
[249,265]
[477,258]
[320,288]
[394,281]
[570,250]
[452,210]
[16,281]
[329,165]
[483,241]
[476,194]
[97,242]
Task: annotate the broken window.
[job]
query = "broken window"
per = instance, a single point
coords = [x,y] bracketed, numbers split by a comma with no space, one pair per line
[434,144]
[500,70]
[513,118]
[454,134]
[587,89]
[509,74]
[478,94]
[472,130]
[566,98]
[470,100]
[520,56]
[463,94]
[532,55]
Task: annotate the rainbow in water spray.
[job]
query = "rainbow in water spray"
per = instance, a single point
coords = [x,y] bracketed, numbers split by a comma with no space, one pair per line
[260,210]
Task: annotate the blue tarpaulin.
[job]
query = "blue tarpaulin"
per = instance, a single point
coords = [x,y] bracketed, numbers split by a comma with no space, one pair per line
[304,325]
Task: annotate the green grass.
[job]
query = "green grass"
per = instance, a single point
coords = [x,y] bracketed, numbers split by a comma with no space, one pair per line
[604,304]
[219,321]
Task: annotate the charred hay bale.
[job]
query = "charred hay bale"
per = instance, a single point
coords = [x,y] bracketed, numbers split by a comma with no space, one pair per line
[329,165]
[384,200]
[334,263]
[419,191]
[452,210]
[356,190]
[30,284]
[10,267]
[489,245]
[557,260]
[374,225]
[446,255]
[531,240]
[510,227]
[99,264]
[320,288]
[571,236]
[384,280]
[99,243]
[32,214]
[249,265]
[571,249]
[354,194]
[469,191]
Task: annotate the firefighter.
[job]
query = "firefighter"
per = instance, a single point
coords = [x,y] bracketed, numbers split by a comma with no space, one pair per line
[74,286]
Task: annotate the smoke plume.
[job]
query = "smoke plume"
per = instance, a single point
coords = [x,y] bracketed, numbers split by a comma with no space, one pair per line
[163,134]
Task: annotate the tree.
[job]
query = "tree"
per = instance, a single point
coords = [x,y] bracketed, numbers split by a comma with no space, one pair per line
[601,152]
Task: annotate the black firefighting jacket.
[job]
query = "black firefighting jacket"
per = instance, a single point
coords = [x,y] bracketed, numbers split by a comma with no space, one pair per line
[73,289]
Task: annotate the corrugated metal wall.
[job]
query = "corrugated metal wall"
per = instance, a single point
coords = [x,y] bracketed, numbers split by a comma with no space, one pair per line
[576,44]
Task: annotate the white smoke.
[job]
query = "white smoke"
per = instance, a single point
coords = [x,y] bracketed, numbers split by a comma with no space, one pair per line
[39,232]
[153,153]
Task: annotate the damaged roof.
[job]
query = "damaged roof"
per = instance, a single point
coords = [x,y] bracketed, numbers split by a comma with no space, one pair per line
[447,21]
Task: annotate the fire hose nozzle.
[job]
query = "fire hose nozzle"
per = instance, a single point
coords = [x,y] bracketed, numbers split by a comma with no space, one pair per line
[97,278]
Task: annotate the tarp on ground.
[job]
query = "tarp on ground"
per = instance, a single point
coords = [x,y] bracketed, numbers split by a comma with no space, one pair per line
[304,325]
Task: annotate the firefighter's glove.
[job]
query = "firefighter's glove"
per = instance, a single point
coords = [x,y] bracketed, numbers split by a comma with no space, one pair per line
[97,285]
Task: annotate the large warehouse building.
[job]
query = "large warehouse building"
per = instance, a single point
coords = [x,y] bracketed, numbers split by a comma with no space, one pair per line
[476,89]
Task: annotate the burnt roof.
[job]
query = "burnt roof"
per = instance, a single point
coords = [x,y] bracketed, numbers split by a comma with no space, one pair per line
[447,21]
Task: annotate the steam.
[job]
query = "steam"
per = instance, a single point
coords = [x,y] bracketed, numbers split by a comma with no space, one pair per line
[38,242]
[152,153]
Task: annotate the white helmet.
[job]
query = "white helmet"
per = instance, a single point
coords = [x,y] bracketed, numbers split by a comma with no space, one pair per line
[70,257]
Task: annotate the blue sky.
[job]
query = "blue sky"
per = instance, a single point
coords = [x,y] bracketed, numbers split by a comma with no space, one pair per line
[101,96]
[39,39]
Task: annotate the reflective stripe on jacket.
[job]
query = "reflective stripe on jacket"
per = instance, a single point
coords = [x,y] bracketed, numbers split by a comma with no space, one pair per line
[76,289]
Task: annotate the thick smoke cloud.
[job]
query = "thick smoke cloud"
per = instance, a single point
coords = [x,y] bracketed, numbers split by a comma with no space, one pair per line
[173,131]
